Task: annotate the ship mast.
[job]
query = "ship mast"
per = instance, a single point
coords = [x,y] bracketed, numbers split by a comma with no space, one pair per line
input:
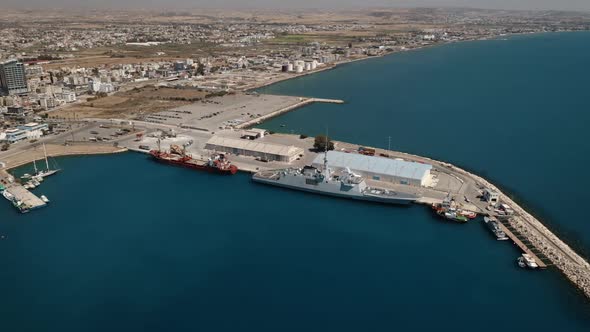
[45,153]
[326,171]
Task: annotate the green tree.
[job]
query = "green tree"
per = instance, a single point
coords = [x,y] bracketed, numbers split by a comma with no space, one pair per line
[320,143]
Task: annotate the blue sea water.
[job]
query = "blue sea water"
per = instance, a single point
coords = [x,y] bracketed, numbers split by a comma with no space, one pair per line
[131,245]
[513,110]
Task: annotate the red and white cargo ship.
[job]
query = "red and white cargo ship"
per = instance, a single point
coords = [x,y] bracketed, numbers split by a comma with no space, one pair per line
[216,164]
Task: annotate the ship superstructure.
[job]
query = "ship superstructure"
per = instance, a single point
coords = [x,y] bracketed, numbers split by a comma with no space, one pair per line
[177,156]
[322,181]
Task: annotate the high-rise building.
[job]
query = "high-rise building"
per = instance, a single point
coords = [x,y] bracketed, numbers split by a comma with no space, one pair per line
[13,80]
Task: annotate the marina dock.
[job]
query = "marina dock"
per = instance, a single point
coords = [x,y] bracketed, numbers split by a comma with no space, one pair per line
[523,244]
[29,200]
[22,199]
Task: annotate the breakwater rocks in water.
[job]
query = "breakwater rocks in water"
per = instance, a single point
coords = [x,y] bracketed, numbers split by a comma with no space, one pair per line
[575,268]
[572,265]
[561,255]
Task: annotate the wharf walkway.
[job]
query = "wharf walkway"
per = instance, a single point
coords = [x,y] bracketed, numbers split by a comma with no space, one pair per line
[524,244]
[23,200]
[29,201]
[303,102]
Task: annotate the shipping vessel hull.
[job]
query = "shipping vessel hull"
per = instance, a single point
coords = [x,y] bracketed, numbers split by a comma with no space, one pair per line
[229,171]
[335,193]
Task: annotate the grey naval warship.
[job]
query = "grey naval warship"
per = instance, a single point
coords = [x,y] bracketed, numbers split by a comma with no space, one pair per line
[321,181]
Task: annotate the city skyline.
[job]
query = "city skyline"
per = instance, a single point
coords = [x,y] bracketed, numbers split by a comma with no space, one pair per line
[568,5]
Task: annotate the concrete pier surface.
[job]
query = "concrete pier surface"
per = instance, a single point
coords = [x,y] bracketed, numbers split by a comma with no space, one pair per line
[28,200]
[12,159]
[303,102]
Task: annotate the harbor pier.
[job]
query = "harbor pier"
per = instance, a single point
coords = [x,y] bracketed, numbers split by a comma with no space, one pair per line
[523,244]
[19,197]
[302,103]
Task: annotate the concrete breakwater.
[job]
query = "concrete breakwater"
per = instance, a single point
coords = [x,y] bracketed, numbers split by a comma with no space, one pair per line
[303,102]
[572,265]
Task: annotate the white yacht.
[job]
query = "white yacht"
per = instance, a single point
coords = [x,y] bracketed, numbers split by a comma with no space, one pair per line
[527,261]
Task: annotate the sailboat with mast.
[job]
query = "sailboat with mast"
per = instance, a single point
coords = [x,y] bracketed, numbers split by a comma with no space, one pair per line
[48,171]
[39,174]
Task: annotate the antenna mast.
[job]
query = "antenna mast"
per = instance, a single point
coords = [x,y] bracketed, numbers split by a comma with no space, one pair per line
[326,171]
[45,153]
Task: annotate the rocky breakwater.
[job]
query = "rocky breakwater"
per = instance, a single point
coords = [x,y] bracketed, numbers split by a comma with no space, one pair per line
[572,265]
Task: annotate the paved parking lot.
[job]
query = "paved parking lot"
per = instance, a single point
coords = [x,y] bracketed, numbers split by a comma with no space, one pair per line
[216,113]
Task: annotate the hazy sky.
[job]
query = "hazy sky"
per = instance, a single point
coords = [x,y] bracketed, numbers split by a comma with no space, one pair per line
[179,4]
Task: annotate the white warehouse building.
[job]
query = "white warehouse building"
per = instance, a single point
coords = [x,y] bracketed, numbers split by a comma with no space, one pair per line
[378,168]
[255,148]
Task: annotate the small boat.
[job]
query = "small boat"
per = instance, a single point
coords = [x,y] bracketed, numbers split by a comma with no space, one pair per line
[35,183]
[39,175]
[527,261]
[468,214]
[495,228]
[26,176]
[452,214]
[8,195]
[44,199]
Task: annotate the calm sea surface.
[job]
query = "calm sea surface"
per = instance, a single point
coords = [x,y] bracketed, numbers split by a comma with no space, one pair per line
[516,111]
[131,245]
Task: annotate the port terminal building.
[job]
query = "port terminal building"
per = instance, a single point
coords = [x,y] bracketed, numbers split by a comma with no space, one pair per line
[254,148]
[378,168]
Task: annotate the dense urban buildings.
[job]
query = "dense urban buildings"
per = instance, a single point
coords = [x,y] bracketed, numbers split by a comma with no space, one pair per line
[13,80]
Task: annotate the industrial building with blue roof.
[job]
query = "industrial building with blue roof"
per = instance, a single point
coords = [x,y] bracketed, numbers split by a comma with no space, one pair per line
[378,168]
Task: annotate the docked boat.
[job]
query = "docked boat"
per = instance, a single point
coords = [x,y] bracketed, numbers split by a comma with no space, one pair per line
[216,164]
[23,208]
[494,226]
[48,171]
[40,174]
[448,210]
[526,261]
[468,214]
[8,195]
[322,181]
[44,199]
[453,215]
